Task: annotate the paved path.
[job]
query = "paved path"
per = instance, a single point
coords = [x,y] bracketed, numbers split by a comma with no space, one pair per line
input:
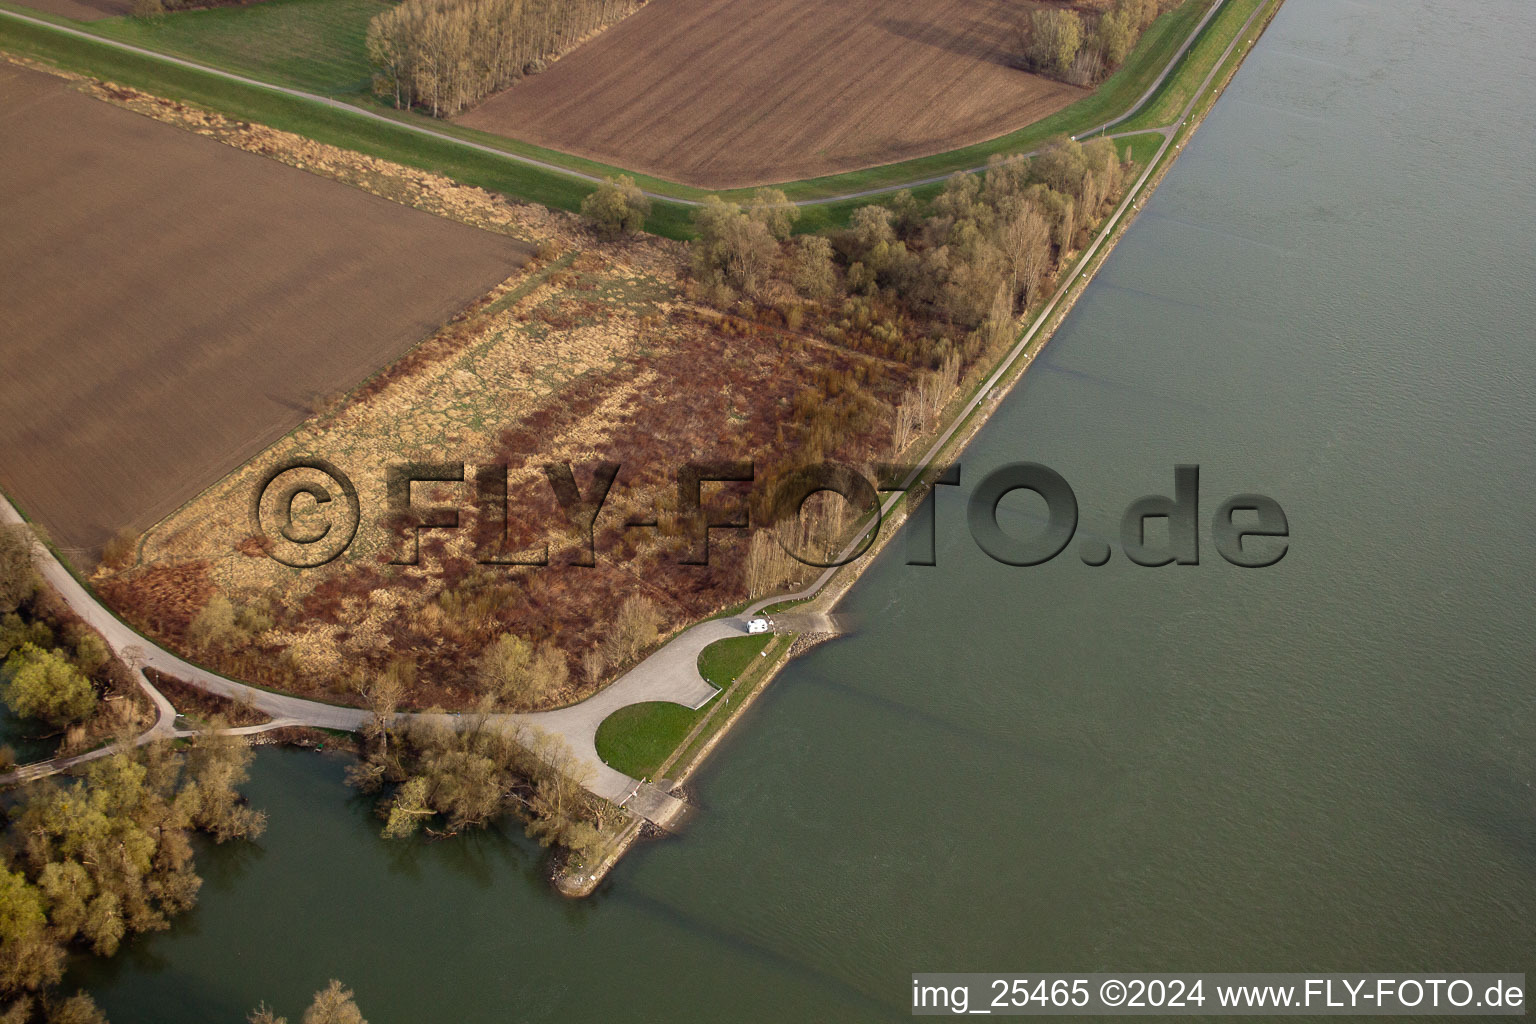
[987,389]
[140,653]
[670,674]
[544,164]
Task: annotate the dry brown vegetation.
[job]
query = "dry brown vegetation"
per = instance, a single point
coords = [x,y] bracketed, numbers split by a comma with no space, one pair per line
[642,352]
[193,701]
[595,361]
[596,352]
[173,306]
[724,93]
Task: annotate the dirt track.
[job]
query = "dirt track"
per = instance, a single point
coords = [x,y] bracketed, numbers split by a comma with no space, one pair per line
[724,93]
[173,305]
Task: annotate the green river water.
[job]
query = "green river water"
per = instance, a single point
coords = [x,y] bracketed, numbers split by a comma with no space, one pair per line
[1329,764]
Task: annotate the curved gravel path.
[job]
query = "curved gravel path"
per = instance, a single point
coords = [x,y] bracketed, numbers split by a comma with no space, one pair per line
[669,674]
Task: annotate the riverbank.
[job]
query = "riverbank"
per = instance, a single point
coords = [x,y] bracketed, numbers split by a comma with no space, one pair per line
[726,708]
[976,408]
[1347,736]
[966,416]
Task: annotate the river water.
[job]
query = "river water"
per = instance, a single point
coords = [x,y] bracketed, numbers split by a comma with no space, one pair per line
[1328,764]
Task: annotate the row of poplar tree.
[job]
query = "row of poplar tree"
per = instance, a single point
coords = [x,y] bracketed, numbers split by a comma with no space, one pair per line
[446,55]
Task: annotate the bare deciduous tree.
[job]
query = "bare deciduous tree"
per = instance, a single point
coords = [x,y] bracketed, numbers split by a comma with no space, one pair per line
[447,55]
[1025,239]
[334,1004]
[772,209]
[18,579]
[633,629]
[516,672]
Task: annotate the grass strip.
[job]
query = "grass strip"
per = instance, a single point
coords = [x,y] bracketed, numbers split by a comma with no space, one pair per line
[315,45]
[259,40]
[637,739]
[1175,93]
[318,121]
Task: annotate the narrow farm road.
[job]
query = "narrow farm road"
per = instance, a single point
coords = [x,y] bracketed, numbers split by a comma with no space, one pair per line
[670,674]
[556,168]
[1022,348]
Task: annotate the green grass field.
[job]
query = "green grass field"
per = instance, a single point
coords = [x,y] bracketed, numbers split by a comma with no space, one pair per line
[1139,149]
[723,662]
[637,739]
[315,45]
[1176,92]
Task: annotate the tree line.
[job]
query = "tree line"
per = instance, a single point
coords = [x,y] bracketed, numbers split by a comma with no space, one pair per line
[935,286]
[88,863]
[1082,50]
[929,291]
[447,55]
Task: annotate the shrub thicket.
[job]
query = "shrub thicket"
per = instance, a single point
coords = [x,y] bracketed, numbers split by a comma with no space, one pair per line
[1062,44]
[934,287]
[617,207]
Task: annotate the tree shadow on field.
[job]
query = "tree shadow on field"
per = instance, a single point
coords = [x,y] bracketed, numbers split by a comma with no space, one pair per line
[987,34]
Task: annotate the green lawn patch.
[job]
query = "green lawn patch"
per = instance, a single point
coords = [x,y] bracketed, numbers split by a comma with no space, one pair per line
[637,739]
[1139,149]
[723,661]
[315,45]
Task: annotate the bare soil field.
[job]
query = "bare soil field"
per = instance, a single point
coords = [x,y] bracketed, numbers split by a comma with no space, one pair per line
[173,306]
[729,93]
[594,351]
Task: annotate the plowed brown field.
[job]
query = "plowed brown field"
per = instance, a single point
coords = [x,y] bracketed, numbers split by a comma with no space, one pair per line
[725,93]
[171,305]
